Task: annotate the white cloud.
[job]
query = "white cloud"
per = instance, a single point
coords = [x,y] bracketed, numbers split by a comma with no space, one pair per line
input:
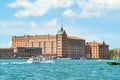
[34,24]
[52,23]
[22,28]
[20,3]
[12,27]
[69,13]
[38,7]
[89,8]
[85,14]
[97,8]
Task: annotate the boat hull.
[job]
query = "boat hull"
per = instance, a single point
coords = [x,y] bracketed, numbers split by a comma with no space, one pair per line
[113,63]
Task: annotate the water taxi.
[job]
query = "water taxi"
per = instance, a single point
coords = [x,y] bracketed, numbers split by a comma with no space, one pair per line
[39,59]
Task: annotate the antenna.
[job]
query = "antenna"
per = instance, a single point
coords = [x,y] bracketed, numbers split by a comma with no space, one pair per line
[62,23]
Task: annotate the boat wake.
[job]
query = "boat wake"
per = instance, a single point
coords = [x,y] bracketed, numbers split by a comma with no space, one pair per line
[40,59]
[100,60]
[26,62]
[46,61]
[6,63]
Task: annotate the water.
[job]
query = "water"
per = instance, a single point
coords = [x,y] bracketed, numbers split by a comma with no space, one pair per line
[20,69]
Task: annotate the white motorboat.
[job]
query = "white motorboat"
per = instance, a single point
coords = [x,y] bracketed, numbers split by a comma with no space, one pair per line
[40,59]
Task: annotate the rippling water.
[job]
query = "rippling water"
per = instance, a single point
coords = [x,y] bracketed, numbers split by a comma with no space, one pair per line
[19,69]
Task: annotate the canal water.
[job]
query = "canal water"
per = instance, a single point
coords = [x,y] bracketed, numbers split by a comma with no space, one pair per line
[20,69]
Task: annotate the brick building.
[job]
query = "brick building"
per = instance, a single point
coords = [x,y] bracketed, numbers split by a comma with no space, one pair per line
[97,50]
[6,53]
[59,45]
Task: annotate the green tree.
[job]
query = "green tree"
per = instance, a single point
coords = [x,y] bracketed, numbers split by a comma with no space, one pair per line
[111,54]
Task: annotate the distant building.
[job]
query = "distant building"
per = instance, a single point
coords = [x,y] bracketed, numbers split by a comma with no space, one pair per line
[28,51]
[116,53]
[97,50]
[59,45]
[116,50]
[6,53]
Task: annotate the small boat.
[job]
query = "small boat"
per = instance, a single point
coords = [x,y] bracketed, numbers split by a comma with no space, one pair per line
[38,59]
[113,63]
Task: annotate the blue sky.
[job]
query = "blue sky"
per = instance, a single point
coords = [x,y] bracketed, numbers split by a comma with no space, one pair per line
[92,20]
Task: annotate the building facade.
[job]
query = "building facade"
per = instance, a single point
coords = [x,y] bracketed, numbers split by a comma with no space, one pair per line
[28,52]
[6,53]
[59,45]
[97,50]
[76,47]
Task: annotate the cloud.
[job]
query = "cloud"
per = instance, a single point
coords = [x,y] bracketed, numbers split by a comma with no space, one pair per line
[69,13]
[38,7]
[97,8]
[14,27]
[88,8]
[52,23]
[33,24]
[85,14]
[22,28]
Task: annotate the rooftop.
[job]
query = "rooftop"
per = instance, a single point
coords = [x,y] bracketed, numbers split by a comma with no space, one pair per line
[61,31]
[96,43]
[74,37]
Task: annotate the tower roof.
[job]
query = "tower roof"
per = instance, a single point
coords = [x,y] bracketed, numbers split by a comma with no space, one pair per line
[61,30]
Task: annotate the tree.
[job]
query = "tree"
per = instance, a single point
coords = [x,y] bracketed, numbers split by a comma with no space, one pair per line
[111,54]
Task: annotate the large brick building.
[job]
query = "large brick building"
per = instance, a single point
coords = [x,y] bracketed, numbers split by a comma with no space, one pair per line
[59,45]
[97,50]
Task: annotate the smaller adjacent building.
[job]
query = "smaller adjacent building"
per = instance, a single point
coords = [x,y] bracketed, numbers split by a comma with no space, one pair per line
[6,53]
[28,52]
[96,50]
